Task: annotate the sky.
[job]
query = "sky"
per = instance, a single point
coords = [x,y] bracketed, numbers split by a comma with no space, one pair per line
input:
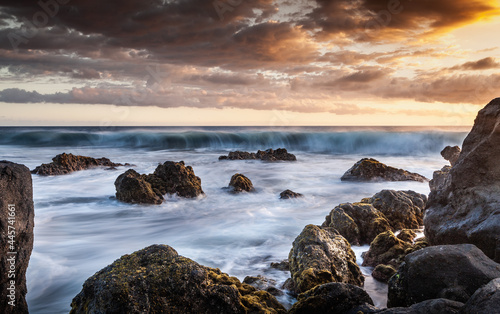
[247,62]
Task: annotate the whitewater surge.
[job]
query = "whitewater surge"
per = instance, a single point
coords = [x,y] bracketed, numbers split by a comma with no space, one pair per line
[80,227]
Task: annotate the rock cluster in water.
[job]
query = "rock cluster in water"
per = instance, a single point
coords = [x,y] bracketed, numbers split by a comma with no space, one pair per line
[369,169]
[267,155]
[67,163]
[16,229]
[464,204]
[168,178]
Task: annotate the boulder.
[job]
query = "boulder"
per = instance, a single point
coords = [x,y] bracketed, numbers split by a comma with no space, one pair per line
[176,178]
[453,272]
[330,298]
[67,163]
[287,194]
[485,300]
[369,169]
[466,207]
[284,265]
[407,235]
[262,283]
[434,306]
[158,280]
[16,234]
[240,183]
[451,154]
[359,223]
[383,272]
[403,209]
[320,255]
[170,177]
[387,249]
[280,154]
[132,188]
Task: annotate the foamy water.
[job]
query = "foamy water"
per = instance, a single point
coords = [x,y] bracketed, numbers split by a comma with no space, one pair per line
[80,228]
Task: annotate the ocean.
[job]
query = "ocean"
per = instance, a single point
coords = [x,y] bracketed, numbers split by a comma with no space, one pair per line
[80,227]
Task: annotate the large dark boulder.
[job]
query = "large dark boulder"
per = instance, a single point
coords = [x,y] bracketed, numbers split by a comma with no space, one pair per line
[320,255]
[16,233]
[466,209]
[359,223]
[67,163]
[132,188]
[280,154]
[434,306]
[485,300]
[403,209]
[240,183]
[157,280]
[369,169]
[330,298]
[451,154]
[452,272]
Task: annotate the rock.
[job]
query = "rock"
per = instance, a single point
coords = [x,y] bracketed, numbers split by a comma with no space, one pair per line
[170,177]
[330,298]
[407,235]
[485,300]
[403,209]
[320,255]
[453,272]
[268,155]
[132,188]
[359,223]
[67,163]
[287,194]
[176,178]
[451,154]
[468,209]
[16,233]
[240,183]
[439,185]
[157,280]
[386,249]
[369,169]
[383,272]
[284,265]
[434,306]
[262,283]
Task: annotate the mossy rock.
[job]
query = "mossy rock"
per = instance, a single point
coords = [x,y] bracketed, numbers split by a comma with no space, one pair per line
[240,183]
[386,249]
[132,188]
[157,280]
[383,272]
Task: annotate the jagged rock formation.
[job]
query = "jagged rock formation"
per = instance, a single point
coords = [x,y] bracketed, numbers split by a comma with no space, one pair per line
[267,155]
[67,163]
[369,169]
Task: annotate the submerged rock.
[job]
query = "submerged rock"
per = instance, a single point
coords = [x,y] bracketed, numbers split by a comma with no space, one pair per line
[158,280]
[359,223]
[287,194]
[268,155]
[240,183]
[132,188]
[451,154]
[331,298]
[168,178]
[464,207]
[16,228]
[403,209]
[369,169]
[67,163]
[319,255]
[453,272]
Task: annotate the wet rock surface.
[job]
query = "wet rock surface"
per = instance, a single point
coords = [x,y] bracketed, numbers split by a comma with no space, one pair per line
[158,280]
[280,154]
[67,163]
[240,183]
[485,300]
[16,232]
[369,169]
[464,204]
[132,188]
[287,194]
[320,255]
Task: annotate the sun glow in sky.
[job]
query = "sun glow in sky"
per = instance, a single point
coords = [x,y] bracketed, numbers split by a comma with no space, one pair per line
[247,62]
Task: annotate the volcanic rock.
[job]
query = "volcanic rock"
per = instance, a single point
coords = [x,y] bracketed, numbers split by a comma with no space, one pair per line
[67,163]
[132,188]
[451,154]
[369,169]
[280,154]
[240,183]
[16,233]
[287,194]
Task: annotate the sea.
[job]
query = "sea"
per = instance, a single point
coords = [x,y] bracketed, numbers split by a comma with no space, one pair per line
[80,227]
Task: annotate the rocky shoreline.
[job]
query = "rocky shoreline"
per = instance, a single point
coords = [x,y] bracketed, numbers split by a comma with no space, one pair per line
[454,269]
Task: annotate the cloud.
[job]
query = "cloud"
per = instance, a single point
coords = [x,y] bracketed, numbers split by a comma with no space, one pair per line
[483,64]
